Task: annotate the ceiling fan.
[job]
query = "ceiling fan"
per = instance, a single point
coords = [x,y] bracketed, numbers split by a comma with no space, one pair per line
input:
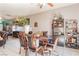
[49,4]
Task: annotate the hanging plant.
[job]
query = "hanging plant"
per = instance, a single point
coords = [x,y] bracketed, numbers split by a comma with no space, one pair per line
[21,21]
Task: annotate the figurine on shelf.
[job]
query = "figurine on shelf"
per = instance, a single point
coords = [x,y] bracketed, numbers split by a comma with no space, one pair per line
[71,41]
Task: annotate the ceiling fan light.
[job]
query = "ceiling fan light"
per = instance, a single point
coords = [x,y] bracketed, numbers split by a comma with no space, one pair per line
[50,4]
[0,17]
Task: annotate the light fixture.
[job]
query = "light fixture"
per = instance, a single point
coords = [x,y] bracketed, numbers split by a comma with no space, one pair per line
[43,4]
[0,17]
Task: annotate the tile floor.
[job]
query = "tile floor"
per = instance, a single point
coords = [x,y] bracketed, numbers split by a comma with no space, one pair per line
[12,49]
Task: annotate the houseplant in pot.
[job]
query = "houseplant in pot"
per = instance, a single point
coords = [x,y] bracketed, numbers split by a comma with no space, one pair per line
[22,21]
[20,24]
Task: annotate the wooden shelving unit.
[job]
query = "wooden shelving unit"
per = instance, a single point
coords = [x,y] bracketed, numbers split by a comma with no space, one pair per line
[71,32]
[58,28]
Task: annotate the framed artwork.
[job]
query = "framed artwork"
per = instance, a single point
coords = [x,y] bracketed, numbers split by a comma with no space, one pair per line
[35,24]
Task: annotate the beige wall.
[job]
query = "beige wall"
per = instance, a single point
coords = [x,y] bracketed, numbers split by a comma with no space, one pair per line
[45,19]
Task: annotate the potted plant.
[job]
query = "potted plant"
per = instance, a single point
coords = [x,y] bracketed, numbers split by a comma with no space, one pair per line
[22,21]
[20,24]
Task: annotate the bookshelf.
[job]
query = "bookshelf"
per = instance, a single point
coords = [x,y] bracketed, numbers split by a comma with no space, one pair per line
[58,30]
[71,32]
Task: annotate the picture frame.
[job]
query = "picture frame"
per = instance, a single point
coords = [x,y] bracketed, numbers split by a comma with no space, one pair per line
[35,24]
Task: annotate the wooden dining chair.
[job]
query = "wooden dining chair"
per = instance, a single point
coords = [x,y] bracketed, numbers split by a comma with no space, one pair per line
[23,42]
[55,44]
[51,48]
[5,37]
[46,51]
[42,49]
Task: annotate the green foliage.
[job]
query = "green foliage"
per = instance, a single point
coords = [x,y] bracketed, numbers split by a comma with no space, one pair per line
[21,21]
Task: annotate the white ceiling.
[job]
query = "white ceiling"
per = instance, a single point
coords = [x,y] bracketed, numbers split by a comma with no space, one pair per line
[19,9]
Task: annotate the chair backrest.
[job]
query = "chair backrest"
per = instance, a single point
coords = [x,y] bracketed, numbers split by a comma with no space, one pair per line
[23,39]
[55,43]
[44,40]
[5,36]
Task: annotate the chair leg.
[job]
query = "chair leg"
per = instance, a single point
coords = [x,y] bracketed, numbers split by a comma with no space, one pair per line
[36,52]
[20,51]
[3,46]
[26,52]
[42,53]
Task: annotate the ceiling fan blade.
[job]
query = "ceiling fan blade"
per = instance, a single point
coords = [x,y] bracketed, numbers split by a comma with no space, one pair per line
[50,4]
